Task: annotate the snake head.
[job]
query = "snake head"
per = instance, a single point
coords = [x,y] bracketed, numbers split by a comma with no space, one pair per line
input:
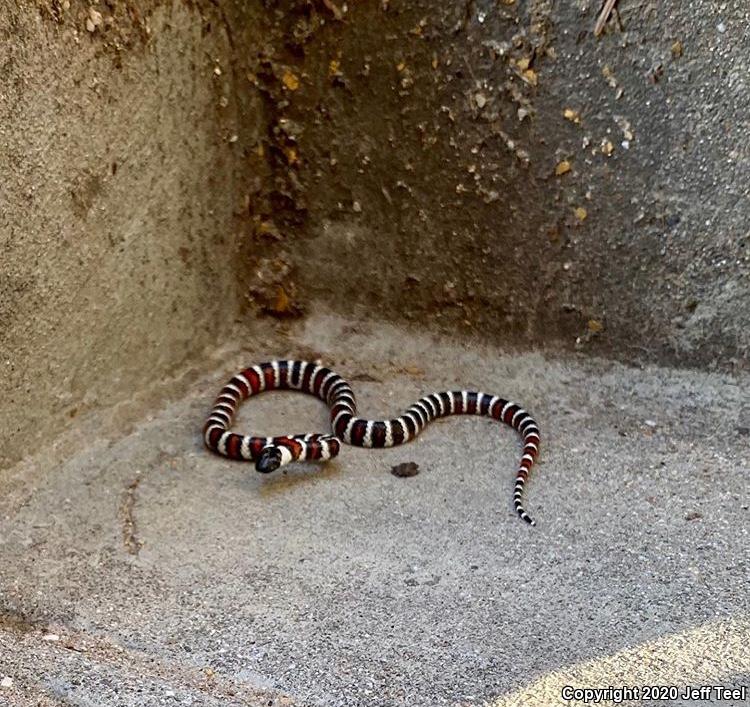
[269,460]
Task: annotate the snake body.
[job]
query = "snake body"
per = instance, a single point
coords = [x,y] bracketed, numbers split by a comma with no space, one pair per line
[270,453]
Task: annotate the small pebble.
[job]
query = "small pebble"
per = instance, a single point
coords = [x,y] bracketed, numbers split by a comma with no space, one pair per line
[6,682]
[405,470]
[50,637]
[650,423]
[721,27]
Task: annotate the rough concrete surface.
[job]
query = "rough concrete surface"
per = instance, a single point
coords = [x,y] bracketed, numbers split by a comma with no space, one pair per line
[117,204]
[496,168]
[142,570]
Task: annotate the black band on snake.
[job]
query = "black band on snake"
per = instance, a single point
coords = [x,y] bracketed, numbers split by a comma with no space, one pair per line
[269,453]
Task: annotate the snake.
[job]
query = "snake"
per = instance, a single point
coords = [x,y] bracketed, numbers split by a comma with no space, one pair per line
[271,453]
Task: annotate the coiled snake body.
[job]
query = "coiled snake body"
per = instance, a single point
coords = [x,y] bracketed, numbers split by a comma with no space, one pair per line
[269,453]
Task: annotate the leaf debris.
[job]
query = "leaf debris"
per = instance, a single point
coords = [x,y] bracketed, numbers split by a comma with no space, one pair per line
[562,167]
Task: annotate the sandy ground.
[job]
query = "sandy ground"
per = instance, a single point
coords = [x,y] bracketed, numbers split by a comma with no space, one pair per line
[142,570]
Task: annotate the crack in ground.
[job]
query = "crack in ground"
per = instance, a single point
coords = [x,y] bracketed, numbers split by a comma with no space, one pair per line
[130,538]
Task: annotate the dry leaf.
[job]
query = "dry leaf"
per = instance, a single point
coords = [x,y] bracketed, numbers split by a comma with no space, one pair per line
[417,30]
[282,305]
[609,75]
[290,80]
[595,326]
[580,213]
[94,20]
[677,49]
[291,155]
[607,147]
[334,67]
[572,115]
[562,167]
[268,229]
[531,76]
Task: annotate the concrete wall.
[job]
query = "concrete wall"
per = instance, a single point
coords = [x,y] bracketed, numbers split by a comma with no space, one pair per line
[495,168]
[118,204]
[490,169]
